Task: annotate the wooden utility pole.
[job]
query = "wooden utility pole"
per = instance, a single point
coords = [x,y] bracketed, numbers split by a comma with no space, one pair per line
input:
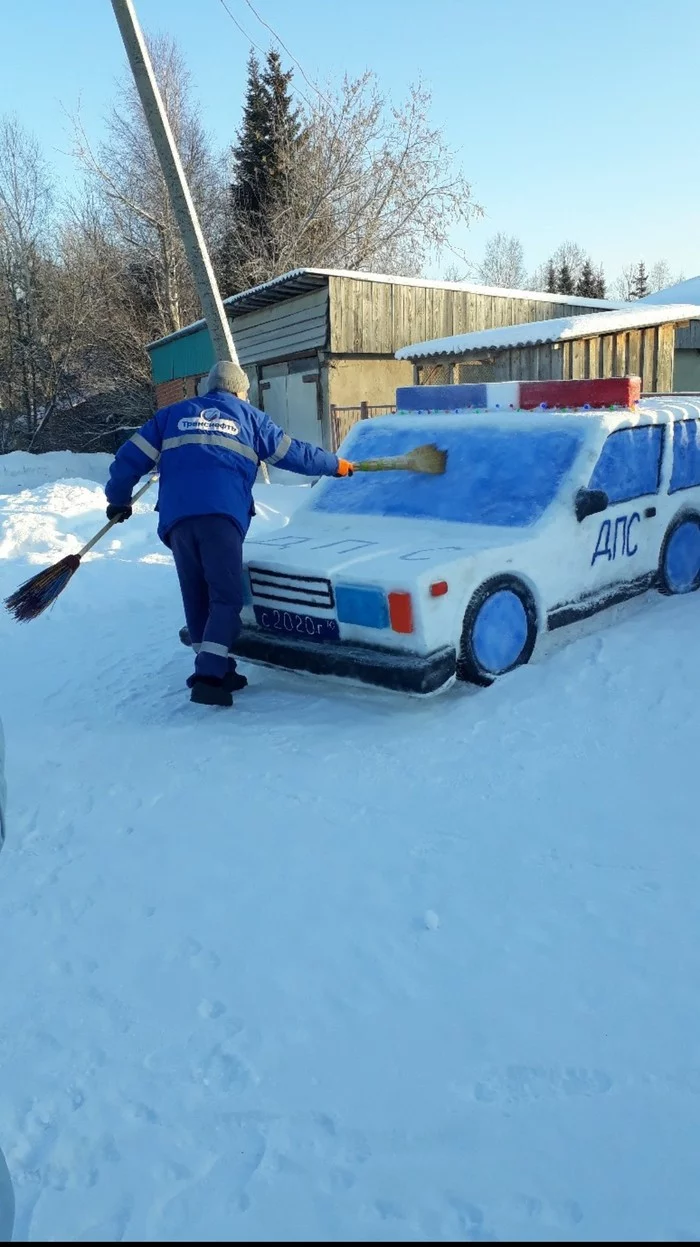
[174,174]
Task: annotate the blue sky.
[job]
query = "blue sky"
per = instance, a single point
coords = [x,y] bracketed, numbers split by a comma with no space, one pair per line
[572,121]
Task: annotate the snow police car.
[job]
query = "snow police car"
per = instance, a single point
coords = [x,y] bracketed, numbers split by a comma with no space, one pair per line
[559,499]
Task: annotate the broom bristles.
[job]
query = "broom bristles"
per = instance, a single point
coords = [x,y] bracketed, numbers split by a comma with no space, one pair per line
[37,594]
[428,459]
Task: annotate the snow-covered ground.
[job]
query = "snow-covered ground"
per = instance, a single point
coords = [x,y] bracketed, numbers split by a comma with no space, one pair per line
[335,964]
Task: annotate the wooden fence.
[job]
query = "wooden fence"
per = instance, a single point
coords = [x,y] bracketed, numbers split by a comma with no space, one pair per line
[344,418]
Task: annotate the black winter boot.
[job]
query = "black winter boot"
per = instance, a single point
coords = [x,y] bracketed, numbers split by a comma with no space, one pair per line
[234,681]
[208,691]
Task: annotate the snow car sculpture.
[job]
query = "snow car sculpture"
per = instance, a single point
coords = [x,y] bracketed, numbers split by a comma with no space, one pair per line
[560,498]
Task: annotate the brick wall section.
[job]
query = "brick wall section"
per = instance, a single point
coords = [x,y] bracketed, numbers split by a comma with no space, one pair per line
[168,392]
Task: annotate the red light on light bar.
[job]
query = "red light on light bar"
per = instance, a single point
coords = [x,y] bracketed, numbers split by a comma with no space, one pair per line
[438,589]
[401,612]
[598,392]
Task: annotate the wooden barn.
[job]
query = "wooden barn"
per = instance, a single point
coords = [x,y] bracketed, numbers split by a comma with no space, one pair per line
[686,367]
[320,345]
[637,339]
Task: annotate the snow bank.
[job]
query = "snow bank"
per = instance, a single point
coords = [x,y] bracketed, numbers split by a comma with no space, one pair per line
[20,470]
[47,520]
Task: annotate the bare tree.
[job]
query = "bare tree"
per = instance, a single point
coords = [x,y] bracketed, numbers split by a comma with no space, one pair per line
[458,272]
[128,184]
[110,355]
[502,264]
[366,186]
[25,200]
[569,257]
[660,276]
[624,284]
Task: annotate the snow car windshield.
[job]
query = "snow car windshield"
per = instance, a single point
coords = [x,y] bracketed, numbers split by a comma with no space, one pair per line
[497,476]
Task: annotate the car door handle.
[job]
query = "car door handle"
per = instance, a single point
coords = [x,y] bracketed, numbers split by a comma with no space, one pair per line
[650,513]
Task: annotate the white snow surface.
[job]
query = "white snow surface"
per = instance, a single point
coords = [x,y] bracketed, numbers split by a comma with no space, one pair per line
[339,965]
[561,329]
[687,291]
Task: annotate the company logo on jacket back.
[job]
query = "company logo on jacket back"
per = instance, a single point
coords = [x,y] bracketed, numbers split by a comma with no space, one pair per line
[208,422]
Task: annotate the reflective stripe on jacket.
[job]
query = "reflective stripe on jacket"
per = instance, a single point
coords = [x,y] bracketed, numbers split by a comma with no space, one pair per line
[207,451]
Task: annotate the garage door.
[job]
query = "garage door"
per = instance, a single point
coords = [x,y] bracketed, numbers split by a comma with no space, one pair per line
[290,397]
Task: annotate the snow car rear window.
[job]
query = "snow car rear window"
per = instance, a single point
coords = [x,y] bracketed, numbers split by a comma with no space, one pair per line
[496,476]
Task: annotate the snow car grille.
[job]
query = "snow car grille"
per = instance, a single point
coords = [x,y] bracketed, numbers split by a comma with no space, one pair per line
[313,592]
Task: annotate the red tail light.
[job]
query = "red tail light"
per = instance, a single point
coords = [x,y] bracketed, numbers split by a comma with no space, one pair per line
[401,612]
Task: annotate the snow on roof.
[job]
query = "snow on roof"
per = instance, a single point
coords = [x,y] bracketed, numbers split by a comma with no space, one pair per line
[303,280]
[683,292]
[425,283]
[639,316]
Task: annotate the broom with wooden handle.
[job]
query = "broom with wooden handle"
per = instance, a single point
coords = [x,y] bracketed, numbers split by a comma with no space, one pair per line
[36,595]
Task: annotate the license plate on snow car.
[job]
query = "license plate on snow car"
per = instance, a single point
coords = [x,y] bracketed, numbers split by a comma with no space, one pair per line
[292,624]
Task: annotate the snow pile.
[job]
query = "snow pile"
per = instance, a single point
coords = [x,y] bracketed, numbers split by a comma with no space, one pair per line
[20,470]
[341,966]
[54,517]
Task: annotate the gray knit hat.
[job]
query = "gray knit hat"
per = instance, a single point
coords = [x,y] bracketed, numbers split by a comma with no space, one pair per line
[227,376]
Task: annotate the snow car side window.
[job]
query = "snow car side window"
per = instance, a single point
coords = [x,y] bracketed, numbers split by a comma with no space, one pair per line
[686,455]
[630,463]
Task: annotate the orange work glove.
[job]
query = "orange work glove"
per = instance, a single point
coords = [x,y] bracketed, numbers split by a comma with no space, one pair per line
[345,468]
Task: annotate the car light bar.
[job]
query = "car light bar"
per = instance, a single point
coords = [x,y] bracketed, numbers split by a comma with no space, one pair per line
[521,395]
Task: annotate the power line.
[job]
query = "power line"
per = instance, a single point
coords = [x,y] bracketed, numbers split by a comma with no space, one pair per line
[291,56]
[282,44]
[244,32]
[304,75]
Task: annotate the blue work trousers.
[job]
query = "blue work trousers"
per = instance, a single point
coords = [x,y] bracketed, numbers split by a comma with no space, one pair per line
[208,553]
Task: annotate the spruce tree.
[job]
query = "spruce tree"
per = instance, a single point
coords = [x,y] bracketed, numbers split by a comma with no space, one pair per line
[599,284]
[566,281]
[251,151]
[586,284]
[552,278]
[268,142]
[283,128]
[640,285]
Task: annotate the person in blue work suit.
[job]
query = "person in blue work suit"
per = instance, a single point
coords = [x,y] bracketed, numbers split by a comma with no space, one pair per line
[208,451]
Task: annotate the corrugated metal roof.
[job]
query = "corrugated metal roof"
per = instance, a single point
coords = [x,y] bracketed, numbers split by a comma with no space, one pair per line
[302,280]
[639,316]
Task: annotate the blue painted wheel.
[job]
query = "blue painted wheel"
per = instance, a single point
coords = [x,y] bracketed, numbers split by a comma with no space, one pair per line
[499,632]
[680,557]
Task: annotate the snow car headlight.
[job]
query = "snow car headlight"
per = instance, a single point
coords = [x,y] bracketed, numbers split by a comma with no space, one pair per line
[362,604]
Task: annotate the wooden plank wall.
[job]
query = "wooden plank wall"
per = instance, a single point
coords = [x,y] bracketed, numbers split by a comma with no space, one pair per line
[688,339]
[377,318]
[287,328]
[647,353]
